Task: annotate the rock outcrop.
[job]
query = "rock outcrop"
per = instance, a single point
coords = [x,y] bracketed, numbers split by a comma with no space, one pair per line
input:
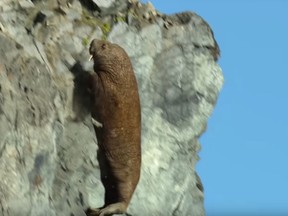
[48,151]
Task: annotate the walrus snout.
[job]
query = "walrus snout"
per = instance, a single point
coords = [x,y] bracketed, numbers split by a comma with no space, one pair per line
[96,47]
[93,49]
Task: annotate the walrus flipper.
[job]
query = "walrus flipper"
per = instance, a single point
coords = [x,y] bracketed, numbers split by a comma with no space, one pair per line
[115,208]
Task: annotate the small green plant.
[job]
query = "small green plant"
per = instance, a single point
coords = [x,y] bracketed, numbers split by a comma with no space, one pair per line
[87,19]
[119,18]
[85,41]
[106,28]
[93,22]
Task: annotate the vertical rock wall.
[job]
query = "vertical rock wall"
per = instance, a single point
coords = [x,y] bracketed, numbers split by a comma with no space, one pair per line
[48,160]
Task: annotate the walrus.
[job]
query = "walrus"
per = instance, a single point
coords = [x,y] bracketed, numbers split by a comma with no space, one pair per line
[116,109]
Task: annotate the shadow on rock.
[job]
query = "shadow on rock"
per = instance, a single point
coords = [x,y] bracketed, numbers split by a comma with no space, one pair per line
[81,93]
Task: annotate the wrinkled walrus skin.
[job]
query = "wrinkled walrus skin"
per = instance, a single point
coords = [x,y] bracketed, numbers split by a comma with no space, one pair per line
[116,107]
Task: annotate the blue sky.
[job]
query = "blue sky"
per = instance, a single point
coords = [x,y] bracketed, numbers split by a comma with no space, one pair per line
[244,158]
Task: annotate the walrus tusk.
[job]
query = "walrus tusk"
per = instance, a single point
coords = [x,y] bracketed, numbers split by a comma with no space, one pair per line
[96,123]
[91,57]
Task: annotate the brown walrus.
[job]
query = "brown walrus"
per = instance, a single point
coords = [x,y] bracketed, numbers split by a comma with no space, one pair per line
[116,106]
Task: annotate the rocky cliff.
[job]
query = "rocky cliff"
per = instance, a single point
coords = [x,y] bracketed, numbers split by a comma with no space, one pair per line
[48,150]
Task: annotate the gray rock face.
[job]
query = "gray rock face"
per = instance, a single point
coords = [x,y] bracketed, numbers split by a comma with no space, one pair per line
[48,150]
[103,3]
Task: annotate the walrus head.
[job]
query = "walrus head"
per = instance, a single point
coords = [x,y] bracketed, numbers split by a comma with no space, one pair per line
[108,57]
[102,55]
[96,47]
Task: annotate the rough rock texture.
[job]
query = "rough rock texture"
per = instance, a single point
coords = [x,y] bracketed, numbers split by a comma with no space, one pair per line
[48,160]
